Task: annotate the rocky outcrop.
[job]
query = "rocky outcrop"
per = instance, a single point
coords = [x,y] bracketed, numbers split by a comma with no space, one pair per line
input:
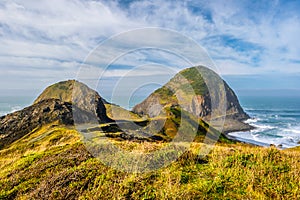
[16,125]
[150,106]
[79,95]
[70,102]
[66,103]
[189,90]
[233,108]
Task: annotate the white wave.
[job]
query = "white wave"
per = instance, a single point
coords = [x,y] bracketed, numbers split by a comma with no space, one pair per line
[15,108]
[255,136]
[3,113]
[11,109]
[248,138]
[252,120]
[261,127]
[272,126]
[259,138]
[249,109]
[262,140]
[291,130]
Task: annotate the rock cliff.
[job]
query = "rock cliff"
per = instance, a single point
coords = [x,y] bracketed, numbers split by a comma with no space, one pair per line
[16,125]
[79,95]
[61,103]
[188,88]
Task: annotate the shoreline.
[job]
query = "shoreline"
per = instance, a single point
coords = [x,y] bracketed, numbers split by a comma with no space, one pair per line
[253,142]
[239,127]
[245,141]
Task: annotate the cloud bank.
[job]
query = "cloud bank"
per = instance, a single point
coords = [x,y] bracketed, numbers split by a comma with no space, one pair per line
[46,41]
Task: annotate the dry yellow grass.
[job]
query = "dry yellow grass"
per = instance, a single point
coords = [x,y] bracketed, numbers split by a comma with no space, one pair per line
[52,163]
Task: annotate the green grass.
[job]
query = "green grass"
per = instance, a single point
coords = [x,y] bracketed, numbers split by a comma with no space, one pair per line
[176,119]
[118,113]
[52,163]
[188,82]
[195,80]
[62,90]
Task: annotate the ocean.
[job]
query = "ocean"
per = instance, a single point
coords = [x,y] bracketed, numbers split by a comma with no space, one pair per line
[276,118]
[9,104]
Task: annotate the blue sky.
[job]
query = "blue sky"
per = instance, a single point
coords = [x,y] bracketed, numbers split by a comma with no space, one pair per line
[254,44]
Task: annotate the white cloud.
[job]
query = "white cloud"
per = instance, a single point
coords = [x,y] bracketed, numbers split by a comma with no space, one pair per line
[50,38]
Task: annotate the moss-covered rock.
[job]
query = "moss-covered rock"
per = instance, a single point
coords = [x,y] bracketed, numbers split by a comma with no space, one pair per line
[188,89]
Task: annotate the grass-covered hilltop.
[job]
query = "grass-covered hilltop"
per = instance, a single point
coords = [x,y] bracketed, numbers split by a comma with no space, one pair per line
[43,155]
[189,89]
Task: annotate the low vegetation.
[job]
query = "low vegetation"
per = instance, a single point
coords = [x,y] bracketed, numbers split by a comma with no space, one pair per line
[118,113]
[53,163]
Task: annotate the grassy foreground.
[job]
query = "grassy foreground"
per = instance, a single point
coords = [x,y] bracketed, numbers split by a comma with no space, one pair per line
[52,163]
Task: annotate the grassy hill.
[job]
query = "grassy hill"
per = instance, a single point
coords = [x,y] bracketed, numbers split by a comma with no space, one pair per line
[49,159]
[118,113]
[71,90]
[201,92]
[53,163]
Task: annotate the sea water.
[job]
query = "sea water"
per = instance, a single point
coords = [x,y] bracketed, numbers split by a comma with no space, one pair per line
[276,119]
[9,104]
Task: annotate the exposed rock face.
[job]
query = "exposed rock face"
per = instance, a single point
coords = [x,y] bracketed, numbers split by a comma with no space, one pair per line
[64,102]
[234,109]
[80,95]
[188,89]
[150,106]
[70,102]
[15,125]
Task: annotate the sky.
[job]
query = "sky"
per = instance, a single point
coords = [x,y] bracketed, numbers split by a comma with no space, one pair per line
[254,44]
